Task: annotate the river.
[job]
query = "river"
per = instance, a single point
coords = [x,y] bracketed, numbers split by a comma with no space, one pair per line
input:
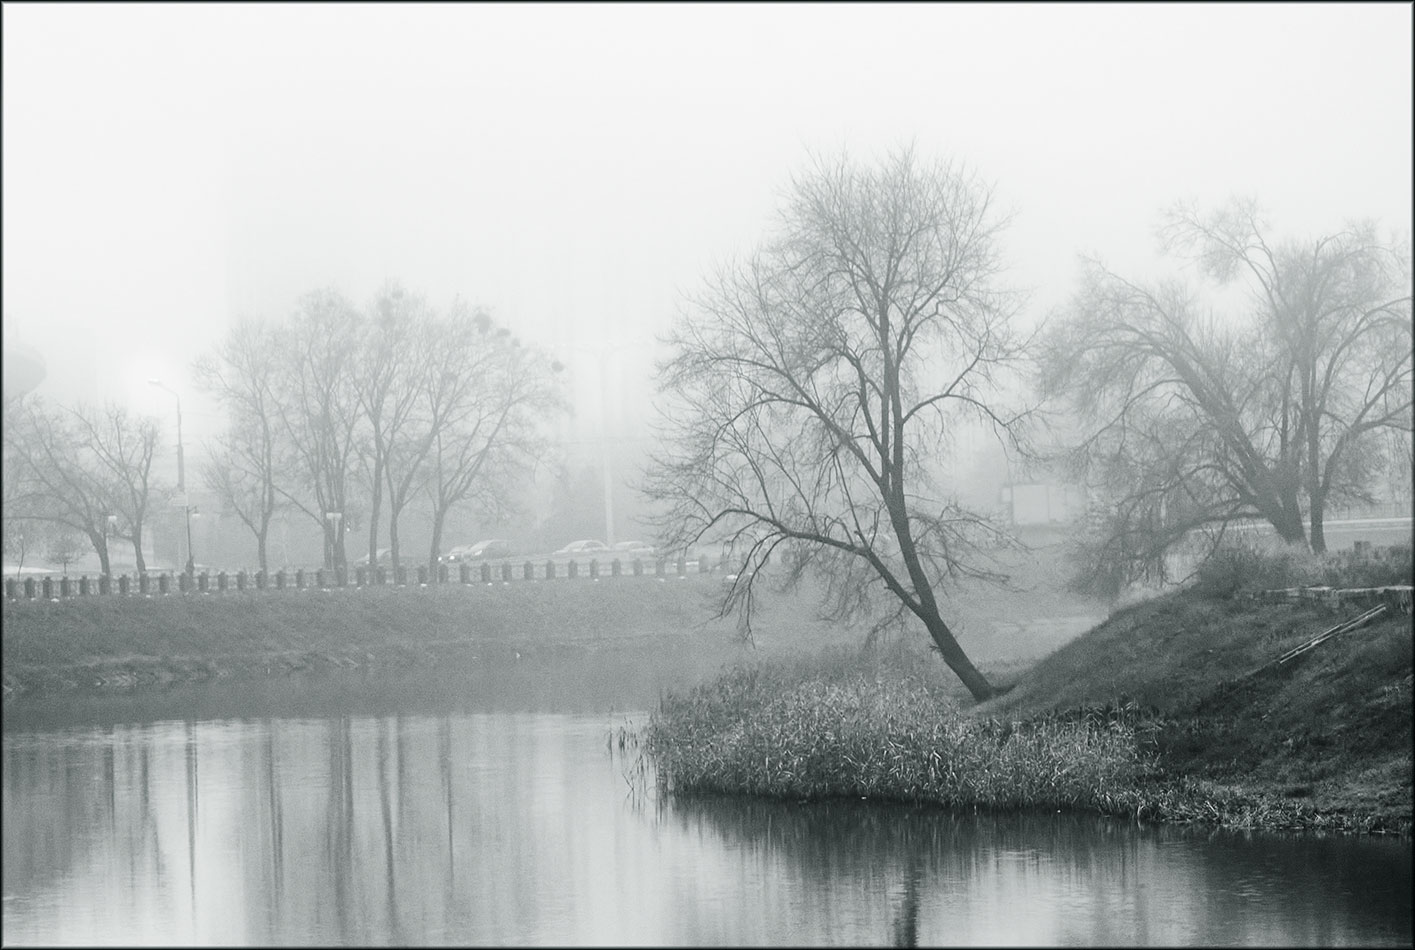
[430,814]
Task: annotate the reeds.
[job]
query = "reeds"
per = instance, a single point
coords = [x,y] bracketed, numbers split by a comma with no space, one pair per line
[824,731]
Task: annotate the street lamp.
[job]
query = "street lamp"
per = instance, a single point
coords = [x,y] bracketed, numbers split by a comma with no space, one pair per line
[181,473]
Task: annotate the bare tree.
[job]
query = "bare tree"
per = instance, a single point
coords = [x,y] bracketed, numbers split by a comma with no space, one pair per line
[816,388]
[123,448]
[488,399]
[1336,314]
[393,359]
[65,488]
[1193,421]
[244,466]
[318,411]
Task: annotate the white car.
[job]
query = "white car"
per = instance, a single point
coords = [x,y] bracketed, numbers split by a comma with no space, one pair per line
[634,549]
[576,548]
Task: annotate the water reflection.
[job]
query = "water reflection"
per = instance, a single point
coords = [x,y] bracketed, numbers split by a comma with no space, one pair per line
[491,828]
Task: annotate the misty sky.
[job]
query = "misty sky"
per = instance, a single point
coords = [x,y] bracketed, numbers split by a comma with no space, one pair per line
[168,168]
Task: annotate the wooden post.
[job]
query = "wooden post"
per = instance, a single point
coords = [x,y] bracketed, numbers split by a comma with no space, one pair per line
[280,579]
[422,575]
[164,583]
[485,573]
[505,570]
[528,571]
[221,581]
[572,570]
[594,568]
[123,584]
[203,582]
[64,586]
[464,572]
[105,584]
[29,588]
[550,570]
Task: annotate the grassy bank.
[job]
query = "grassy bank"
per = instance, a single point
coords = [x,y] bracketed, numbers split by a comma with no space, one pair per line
[123,643]
[1147,715]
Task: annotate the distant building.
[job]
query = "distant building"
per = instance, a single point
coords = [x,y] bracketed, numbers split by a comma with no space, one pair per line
[24,369]
[1043,503]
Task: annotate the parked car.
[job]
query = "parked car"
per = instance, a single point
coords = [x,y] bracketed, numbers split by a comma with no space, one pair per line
[579,548]
[385,558]
[486,550]
[634,549]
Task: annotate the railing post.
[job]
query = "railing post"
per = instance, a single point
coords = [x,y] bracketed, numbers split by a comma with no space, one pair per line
[442,573]
[422,575]
[341,577]
[594,569]
[573,569]
[105,584]
[464,572]
[48,588]
[241,580]
[280,579]
[29,588]
[506,571]
[381,573]
[203,582]
[123,584]
[164,583]
[221,581]
[486,573]
[299,578]
[64,586]
[549,570]
[12,588]
[83,586]
[400,576]
[360,576]
[261,580]
[614,567]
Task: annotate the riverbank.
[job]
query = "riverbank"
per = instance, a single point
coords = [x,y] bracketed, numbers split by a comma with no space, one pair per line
[118,644]
[1149,715]
[121,644]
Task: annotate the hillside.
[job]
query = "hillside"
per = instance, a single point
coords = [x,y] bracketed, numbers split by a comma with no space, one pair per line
[1332,726]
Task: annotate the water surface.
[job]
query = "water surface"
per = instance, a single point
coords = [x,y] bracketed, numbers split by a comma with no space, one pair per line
[510,826]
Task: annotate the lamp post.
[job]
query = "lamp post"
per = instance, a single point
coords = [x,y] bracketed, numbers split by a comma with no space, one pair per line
[181,474]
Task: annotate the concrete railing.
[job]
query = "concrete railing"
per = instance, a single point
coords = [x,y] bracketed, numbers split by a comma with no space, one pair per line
[51,588]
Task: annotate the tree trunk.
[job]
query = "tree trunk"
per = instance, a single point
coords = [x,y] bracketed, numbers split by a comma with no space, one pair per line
[100,544]
[1319,535]
[957,660]
[437,517]
[375,509]
[137,548]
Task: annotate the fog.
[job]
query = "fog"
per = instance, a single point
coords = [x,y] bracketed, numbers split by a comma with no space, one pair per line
[575,169]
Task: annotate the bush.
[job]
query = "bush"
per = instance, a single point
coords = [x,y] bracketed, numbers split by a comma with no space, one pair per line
[1252,565]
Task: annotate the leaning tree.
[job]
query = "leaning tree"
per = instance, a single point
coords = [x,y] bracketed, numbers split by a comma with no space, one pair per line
[816,387]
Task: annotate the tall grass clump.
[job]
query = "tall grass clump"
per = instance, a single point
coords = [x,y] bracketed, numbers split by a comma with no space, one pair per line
[807,731]
[1248,565]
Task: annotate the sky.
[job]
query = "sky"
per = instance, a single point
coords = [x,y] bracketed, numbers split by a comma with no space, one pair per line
[577,169]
